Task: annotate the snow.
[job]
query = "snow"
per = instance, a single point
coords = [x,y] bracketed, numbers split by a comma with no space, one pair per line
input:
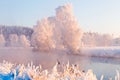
[108,52]
[9,71]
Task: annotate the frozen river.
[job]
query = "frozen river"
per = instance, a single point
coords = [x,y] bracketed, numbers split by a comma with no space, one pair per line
[105,66]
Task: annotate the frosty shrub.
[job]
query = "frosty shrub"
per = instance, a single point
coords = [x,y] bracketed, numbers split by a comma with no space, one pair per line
[2,40]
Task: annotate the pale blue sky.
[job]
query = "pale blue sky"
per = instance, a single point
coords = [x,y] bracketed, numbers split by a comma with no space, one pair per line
[93,15]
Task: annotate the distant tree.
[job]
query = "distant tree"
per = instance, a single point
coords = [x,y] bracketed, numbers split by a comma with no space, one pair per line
[88,39]
[24,42]
[19,30]
[2,40]
[116,41]
[42,37]
[107,40]
[97,39]
[13,40]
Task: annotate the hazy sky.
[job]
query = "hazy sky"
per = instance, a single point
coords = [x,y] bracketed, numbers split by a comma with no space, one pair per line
[93,15]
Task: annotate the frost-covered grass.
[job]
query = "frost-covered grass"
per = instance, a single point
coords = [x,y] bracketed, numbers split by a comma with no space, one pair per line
[9,71]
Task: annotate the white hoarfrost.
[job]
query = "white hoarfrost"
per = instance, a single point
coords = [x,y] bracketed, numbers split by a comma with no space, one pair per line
[60,31]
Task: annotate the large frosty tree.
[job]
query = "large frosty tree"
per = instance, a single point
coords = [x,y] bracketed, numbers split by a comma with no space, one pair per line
[42,37]
[62,30]
[70,29]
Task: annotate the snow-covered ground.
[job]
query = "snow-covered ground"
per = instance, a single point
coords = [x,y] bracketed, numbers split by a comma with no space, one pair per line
[109,52]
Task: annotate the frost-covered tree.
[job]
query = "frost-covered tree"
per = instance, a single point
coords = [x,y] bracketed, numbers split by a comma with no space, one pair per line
[62,30]
[2,40]
[42,37]
[13,40]
[19,30]
[57,33]
[24,42]
[70,29]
